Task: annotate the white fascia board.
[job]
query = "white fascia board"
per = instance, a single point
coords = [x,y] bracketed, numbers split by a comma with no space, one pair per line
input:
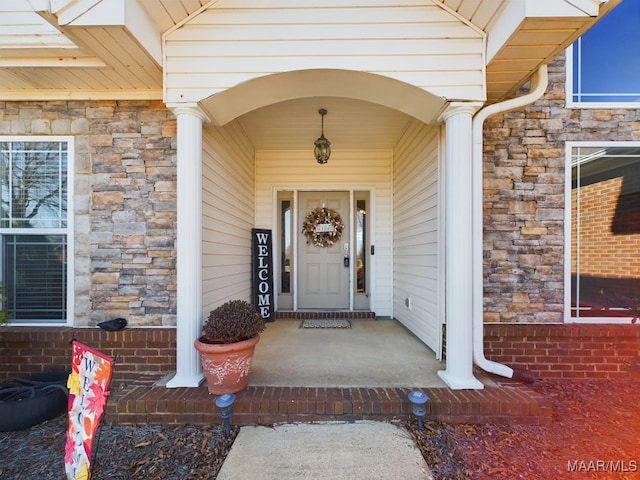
[505,24]
[143,28]
[590,7]
[515,13]
[28,27]
[566,8]
[119,13]
[59,5]
[69,10]
[25,6]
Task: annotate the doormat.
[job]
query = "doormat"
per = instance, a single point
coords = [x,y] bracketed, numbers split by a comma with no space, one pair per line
[325,323]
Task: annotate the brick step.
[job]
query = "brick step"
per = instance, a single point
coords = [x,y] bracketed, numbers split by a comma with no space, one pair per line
[143,404]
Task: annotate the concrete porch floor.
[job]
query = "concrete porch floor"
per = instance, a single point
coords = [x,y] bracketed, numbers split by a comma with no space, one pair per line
[318,375]
[372,353]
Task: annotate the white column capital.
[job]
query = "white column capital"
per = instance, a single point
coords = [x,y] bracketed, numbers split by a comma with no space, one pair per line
[189,108]
[459,108]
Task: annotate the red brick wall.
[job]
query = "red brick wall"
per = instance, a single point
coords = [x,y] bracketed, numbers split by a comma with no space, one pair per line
[603,251]
[566,351]
[141,354]
[146,355]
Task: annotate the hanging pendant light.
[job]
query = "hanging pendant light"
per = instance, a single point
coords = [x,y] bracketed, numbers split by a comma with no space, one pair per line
[322,150]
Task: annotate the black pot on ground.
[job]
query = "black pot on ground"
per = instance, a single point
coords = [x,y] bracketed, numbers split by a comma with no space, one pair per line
[28,401]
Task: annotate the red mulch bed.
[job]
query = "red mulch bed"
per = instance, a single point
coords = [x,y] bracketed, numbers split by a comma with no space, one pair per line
[595,434]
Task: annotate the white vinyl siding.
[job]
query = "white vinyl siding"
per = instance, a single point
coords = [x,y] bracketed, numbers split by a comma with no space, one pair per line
[227,215]
[416,260]
[347,170]
[235,41]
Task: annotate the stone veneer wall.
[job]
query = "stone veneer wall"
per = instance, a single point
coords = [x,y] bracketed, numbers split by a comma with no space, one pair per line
[524,199]
[124,203]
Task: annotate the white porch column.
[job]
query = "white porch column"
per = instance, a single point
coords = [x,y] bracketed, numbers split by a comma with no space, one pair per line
[189,244]
[459,247]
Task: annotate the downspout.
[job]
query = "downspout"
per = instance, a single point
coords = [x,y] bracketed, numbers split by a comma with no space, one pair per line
[539,82]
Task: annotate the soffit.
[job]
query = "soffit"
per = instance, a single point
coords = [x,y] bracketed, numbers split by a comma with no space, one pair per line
[98,61]
[43,60]
[79,52]
[537,32]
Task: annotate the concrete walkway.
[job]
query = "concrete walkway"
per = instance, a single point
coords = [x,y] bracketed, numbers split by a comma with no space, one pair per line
[325,451]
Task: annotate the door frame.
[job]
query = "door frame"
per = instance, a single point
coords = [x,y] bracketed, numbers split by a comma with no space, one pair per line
[352,240]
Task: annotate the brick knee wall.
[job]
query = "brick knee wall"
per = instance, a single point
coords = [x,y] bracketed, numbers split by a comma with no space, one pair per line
[566,351]
[141,354]
[551,351]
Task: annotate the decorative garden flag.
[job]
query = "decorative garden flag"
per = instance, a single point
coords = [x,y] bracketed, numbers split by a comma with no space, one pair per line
[88,390]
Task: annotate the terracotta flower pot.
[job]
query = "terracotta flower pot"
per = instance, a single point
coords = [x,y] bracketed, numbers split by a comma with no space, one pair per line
[226,365]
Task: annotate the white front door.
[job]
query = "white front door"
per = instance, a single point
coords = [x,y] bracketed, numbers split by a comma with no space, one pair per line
[323,271]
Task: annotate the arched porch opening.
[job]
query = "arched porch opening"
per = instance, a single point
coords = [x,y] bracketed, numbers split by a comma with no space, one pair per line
[299,84]
[257,140]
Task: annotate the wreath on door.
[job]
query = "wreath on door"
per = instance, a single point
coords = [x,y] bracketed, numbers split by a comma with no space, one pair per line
[322,227]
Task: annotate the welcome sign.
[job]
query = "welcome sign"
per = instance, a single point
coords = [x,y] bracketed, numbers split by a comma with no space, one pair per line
[262,272]
[88,386]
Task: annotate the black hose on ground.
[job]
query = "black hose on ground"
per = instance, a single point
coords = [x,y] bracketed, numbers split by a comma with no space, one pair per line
[21,388]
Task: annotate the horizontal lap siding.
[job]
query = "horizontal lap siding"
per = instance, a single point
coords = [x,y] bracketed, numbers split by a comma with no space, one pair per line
[233,42]
[361,170]
[227,214]
[416,233]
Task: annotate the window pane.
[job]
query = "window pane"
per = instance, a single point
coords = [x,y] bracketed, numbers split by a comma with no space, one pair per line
[361,246]
[605,59]
[35,277]
[605,280]
[33,178]
[285,246]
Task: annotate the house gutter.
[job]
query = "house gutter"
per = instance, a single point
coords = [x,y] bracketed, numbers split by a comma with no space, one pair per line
[539,81]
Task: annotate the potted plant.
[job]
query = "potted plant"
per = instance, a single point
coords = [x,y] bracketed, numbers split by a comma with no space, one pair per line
[226,346]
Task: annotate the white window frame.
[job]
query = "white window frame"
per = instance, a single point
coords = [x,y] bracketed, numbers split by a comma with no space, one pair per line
[68,231]
[569,84]
[569,90]
[567,234]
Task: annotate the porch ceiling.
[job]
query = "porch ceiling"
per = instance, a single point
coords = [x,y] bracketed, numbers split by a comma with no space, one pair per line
[111,49]
[349,124]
